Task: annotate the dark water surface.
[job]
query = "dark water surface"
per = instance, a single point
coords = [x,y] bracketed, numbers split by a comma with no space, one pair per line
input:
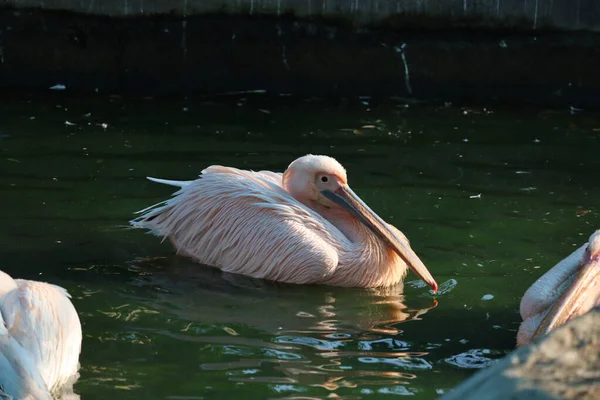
[490,199]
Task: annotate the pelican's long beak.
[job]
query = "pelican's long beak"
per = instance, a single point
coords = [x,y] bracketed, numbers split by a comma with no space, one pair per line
[347,199]
[578,298]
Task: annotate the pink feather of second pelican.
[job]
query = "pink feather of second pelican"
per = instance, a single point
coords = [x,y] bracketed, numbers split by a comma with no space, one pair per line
[569,289]
[303,226]
[40,340]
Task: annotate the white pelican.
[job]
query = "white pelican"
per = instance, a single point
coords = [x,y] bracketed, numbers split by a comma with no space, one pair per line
[40,339]
[571,288]
[303,226]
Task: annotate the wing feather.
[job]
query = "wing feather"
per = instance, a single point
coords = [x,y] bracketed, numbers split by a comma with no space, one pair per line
[19,377]
[245,222]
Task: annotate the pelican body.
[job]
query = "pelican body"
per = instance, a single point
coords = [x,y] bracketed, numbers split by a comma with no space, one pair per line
[303,226]
[570,289]
[40,339]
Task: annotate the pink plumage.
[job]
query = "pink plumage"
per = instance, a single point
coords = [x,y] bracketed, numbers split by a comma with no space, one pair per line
[303,226]
[569,289]
[40,338]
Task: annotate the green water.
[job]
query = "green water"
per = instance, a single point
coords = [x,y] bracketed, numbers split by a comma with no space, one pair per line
[489,199]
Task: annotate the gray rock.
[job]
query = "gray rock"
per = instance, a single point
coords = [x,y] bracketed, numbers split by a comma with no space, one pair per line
[562,365]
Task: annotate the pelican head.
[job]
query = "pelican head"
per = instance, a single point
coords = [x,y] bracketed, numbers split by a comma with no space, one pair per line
[581,295]
[321,180]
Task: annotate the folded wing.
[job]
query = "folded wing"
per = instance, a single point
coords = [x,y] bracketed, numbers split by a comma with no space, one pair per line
[245,222]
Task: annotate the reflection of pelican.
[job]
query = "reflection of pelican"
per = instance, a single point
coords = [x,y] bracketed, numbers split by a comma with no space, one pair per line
[40,339]
[303,226]
[571,288]
[307,338]
[237,299]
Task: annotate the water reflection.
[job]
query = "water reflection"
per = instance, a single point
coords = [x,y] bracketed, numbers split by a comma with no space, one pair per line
[317,336]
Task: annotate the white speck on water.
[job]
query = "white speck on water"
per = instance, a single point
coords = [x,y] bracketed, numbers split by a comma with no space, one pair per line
[58,86]
[466,140]
[487,297]
[574,110]
[68,123]
[536,140]
[479,265]
[476,196]
[398,390]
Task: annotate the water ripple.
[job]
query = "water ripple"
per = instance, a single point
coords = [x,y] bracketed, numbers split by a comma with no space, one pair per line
[473,359]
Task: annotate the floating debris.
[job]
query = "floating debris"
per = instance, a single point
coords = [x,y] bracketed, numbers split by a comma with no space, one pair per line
[487,297]
[477,196]
[581,213]
[68,123]
[257,91]
[230,331]
[58,86]
[574,110]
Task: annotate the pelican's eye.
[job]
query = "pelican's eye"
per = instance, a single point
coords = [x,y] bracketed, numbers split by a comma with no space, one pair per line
[324,179]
